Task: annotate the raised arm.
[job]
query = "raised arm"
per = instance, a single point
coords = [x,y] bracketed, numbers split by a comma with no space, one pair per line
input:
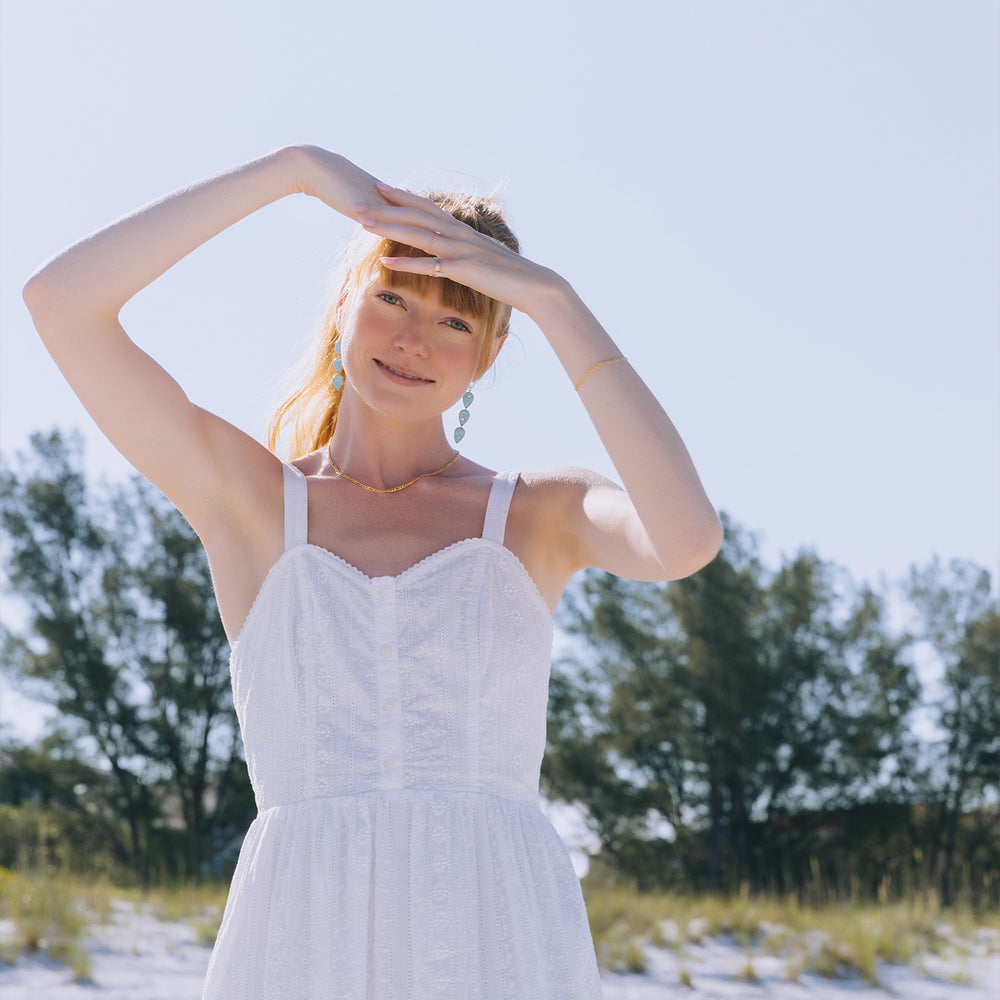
[662,525]
[197,459]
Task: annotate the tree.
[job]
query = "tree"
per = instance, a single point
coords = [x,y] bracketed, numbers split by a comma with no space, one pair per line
[123,637]
[960,620]
[720,702]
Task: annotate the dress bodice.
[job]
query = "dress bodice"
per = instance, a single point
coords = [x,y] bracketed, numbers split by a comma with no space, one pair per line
[434,679]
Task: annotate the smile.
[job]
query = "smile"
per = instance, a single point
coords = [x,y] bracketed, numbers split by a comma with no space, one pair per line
[389,370]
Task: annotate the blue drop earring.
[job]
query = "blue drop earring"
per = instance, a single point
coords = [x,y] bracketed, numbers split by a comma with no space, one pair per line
[338,367]
[463,415]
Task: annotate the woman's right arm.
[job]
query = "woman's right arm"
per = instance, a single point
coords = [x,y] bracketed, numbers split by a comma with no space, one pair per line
[197,459]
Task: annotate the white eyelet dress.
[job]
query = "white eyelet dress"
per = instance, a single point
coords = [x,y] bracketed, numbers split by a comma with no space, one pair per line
[394,730]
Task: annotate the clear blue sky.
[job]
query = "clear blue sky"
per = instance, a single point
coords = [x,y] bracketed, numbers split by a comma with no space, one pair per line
[785,211]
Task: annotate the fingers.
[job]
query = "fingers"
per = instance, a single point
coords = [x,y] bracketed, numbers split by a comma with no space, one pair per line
[436,234]
[416,221]
[434,267]
[424,214]
[395,215]
[431,241]
[400,196]
[402,199]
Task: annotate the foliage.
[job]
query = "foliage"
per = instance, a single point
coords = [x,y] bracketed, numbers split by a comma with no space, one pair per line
[124,639]
[744,727]
[54,912]
[960,620]
[754,726]
[46,918]
[830,939]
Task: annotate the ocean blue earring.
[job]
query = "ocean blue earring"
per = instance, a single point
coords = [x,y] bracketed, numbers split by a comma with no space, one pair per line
[338,367]
[463,415]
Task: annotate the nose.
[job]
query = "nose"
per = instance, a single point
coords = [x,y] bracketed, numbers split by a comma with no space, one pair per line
[412,335]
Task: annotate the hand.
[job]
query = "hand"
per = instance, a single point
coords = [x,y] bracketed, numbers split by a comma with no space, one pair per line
[334,180]
[462,254]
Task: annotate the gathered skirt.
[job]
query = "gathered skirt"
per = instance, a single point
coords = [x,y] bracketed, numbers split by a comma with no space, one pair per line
[404,895]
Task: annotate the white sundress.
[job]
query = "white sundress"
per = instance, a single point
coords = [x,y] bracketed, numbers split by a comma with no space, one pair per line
[394,729]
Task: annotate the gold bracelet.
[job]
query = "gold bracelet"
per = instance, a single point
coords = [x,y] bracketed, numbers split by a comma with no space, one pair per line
[593,368]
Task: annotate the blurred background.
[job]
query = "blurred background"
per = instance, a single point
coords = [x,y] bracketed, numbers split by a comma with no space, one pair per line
[786,214]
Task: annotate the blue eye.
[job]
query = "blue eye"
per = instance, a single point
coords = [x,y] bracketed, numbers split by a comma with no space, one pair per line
[393,300]
[457,324]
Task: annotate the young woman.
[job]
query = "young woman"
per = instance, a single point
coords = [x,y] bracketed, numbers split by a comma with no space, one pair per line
[389,601]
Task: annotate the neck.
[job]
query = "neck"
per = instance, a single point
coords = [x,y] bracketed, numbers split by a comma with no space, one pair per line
[382,453]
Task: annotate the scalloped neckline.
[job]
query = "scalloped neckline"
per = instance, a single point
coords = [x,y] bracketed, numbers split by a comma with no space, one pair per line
[395,577]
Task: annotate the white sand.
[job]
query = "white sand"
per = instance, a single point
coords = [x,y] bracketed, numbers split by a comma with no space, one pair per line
[137,957]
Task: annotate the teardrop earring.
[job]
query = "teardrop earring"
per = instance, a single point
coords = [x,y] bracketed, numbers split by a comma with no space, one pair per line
[338,366]
[463,415]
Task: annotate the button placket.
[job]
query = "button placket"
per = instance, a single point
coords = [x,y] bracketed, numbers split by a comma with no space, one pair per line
[388,719]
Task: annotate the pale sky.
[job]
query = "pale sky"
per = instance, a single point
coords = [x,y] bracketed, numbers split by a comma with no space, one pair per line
[785,211]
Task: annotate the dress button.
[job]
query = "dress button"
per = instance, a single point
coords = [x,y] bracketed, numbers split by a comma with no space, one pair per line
[389,704]
[391,762]
[386,650]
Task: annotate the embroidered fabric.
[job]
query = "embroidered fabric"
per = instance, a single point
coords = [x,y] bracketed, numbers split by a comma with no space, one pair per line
[394,729]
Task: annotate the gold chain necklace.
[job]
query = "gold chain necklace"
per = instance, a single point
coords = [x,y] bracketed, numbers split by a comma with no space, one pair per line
[392,489]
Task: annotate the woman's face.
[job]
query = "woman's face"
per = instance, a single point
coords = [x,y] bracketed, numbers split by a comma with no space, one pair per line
[406,354]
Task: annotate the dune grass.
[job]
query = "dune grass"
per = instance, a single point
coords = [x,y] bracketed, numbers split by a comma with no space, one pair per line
[833,940]
[51,913]
[43,916]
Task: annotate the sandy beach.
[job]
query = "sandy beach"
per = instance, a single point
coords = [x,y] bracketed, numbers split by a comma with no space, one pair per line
[136,956]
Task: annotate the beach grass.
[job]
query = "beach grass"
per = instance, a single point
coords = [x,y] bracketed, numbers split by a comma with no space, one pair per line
[52,913]
[43,915]
[835,940]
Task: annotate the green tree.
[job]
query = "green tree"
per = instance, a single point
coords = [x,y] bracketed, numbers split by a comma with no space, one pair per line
[123,637]
[720,702]
[960,620]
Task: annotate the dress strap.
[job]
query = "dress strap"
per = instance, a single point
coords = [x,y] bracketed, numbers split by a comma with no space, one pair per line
[495,524]
[296,507]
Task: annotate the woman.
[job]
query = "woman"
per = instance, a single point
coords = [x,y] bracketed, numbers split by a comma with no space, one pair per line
[389,601]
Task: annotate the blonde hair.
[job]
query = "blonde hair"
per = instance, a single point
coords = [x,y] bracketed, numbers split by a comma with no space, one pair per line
[309,413]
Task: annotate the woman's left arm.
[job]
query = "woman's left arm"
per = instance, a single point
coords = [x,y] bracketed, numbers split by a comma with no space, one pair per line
[662,526]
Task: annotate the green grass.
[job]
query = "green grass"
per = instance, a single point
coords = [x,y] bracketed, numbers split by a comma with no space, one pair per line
[834,940]
[52,913]
[47,918]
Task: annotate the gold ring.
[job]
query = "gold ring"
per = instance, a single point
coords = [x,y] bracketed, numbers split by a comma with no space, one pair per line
[437,267]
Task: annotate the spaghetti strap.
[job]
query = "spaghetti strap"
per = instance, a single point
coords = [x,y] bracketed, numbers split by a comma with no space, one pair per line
[495,523]
[296,507]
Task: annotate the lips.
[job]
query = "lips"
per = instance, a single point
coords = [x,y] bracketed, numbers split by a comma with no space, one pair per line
[401,374]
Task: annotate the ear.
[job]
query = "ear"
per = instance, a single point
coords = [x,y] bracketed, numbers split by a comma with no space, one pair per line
[496,348]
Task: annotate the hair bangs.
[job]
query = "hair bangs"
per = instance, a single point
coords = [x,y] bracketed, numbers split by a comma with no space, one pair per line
[461,298]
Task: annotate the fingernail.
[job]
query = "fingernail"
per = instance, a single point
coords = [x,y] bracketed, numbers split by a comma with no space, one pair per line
[388,260]
[366,221]
[382,186]
[360,207]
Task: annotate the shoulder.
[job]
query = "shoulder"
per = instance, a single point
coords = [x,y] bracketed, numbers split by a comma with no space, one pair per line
[555,505]
[557,491]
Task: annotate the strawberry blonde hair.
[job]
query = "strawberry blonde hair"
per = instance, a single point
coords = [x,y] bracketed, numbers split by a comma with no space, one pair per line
[309,413]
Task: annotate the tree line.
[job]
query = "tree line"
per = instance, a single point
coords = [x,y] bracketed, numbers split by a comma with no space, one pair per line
[749,727]
[144,769]
[746,727]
